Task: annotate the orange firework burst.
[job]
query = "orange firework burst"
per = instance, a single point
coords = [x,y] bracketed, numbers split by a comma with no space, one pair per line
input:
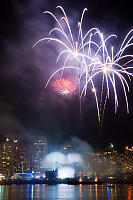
[64,86]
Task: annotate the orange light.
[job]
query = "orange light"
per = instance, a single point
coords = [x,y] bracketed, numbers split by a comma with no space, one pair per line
[93,90]
[96,179]
[80,179]
[126,147]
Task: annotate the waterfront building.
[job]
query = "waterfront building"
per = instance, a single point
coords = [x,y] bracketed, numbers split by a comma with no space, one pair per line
[13,157]
[127,159]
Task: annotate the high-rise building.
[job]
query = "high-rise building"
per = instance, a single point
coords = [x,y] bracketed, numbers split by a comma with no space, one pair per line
[6,158]
[40,149]
[13,158]
[127,159]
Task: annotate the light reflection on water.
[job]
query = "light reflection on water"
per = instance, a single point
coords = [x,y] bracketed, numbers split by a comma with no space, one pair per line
[64,191]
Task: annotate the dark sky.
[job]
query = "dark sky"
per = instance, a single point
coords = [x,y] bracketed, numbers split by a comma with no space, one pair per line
[26,107]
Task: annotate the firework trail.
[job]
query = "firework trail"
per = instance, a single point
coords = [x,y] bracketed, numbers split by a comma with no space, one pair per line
[92,56]
[64,86]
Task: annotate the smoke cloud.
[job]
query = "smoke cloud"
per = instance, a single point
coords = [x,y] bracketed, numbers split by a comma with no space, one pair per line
[55,159]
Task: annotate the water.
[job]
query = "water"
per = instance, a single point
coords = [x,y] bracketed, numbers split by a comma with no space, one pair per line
[64,191]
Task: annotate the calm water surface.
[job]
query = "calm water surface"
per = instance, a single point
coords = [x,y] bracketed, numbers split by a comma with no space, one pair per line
[63,191]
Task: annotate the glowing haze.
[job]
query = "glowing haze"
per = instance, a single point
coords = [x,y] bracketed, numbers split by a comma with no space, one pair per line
[66,172]
[73,158]
[55,159]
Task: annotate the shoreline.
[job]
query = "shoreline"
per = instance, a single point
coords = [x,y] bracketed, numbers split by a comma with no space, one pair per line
[65,181]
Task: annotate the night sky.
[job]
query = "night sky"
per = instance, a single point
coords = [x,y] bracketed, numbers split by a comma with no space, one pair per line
[26,107]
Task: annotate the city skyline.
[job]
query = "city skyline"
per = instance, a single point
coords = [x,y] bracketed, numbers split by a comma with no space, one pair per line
[18,160]
[26,107]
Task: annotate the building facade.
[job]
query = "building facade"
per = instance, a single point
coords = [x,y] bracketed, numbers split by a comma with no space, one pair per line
[40,149]
[13,158]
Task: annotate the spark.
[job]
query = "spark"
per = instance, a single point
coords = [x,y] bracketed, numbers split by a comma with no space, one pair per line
[93,90]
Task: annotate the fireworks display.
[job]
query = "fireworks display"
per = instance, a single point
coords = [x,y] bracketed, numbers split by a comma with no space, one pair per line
[64,86]
[93,58]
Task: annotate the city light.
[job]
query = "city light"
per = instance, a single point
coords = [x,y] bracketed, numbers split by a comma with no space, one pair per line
[111,145]
[88,167]
[126,147]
